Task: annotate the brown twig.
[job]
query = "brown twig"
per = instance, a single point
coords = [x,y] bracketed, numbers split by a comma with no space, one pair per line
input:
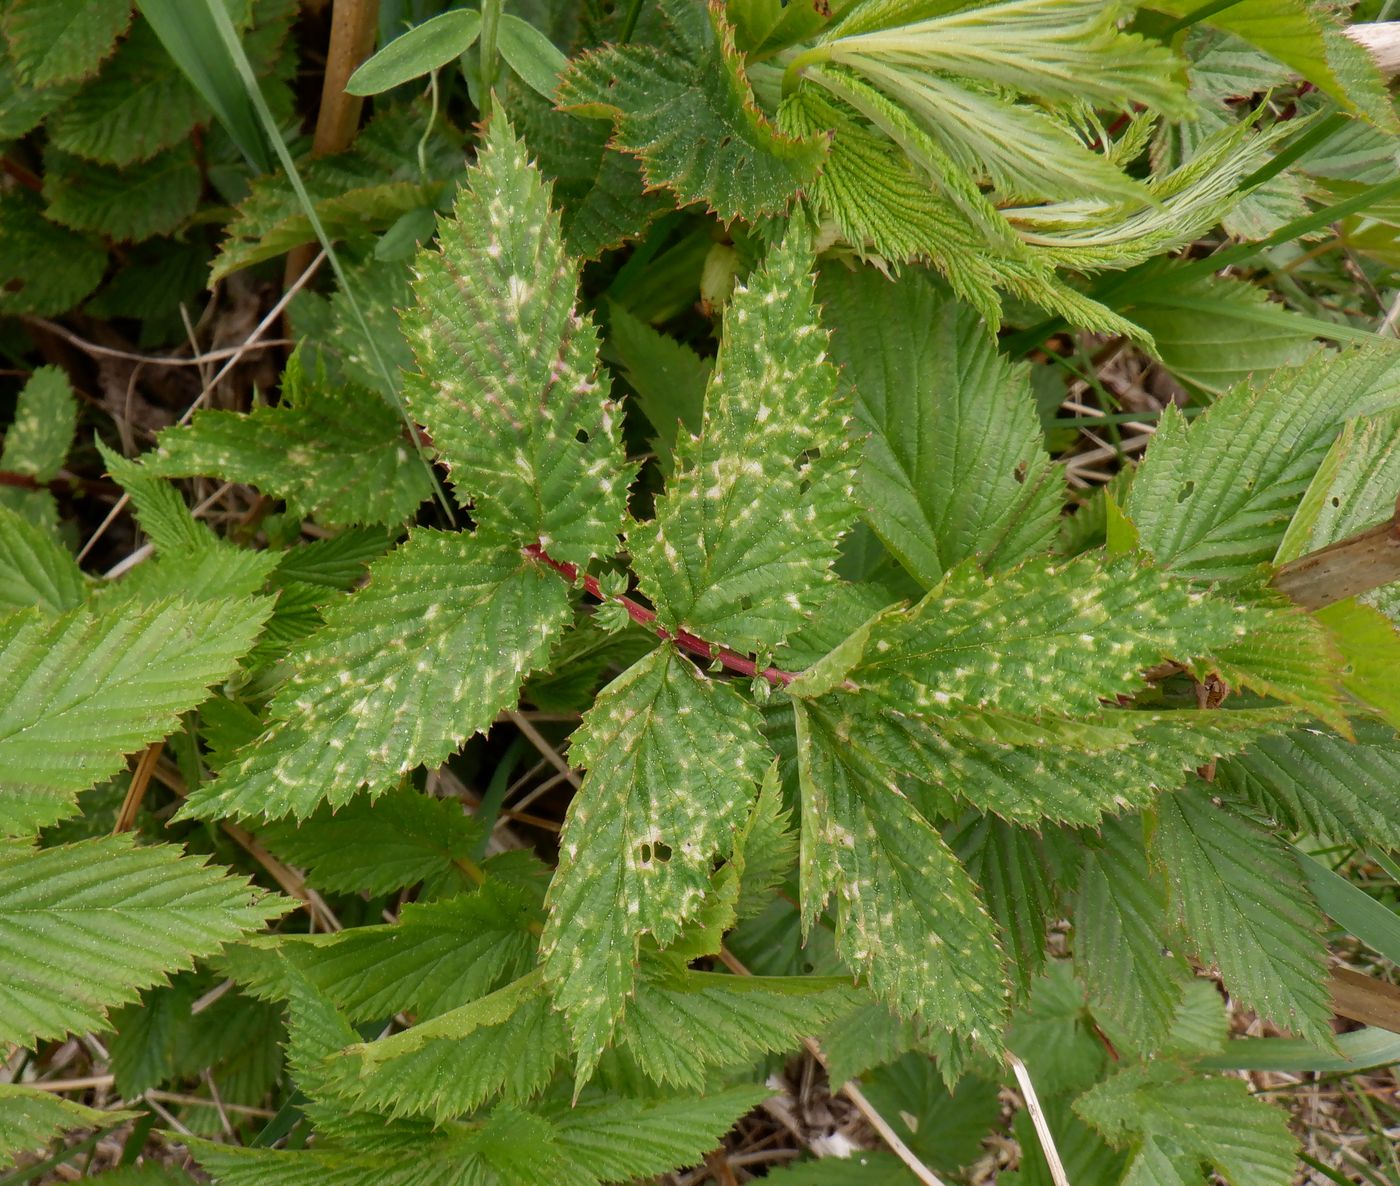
[646,618]
[136,792]
[1365,999]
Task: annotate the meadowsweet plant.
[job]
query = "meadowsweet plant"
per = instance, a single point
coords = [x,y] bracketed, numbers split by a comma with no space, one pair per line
[675,625]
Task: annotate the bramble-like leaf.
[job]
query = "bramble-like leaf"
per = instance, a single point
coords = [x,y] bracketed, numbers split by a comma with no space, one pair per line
[1173,1121]
[743,541]
[137,201]
[1044,636]
[81,691]
[510,388]
[907,914]
[45,269]
[51,43]
[401,674]
[1242,904]
[37,441]
[84,927]
[140,103]
[1212,498]
[339,456]
[1120,927]
[34,570]
[30,1119]
[1313,781]
[955,465]
[686,109]
[673,761]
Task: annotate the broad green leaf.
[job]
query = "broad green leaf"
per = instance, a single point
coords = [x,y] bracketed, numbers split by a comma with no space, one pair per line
[34,570]
[744,538]
[531,54]
[1045,636]
[1242,904]
[1055,1035]
[1212,499]
[45,269]
[1370,650]
[152,197]
[84,927]
[1010,869]
[757,1014]
[22,107]
[686,109]
[375,847]
[438,957]
[768,846]
[509,387]
[38,438]
[30,1119]
[955,465]
[423,49]
[139,104]
[600,192]
[943,1128]
[1217,331]
[907,914]
[668,377]
[1120,929]
[401,674]
[1173,1121]
[673,761]
[51,43]
[337,455]
[1314,781]
[1305,38]
[81,691]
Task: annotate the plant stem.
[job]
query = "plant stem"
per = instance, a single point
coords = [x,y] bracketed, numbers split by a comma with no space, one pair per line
[490,20]
[646,618]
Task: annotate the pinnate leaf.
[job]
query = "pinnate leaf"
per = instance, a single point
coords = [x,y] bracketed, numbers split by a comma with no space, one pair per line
[84,927]
[744,538]
[907,914]
[401,674]
[673,761]
[510,388]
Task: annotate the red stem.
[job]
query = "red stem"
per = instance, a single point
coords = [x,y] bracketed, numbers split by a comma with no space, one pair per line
[646,618]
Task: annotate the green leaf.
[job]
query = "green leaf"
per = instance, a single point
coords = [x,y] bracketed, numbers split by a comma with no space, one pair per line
[943,1128]
[421,50]
[51,43]
[1044,636]
[1351,907]
[336,455]
[34,570]
[83,690]
[376,847]
[79,931]
[1120,930]
[636,856]
[135,202]
[1212,498]
[30,1119]
[1370,649]
[530,54]
[41,433]
[509,386]
[1305,38]
[401,675]
[1243,906]
[1314,781]
[743,542]
[908,915]
[669,378]
[685,108]
[954,466]
[1173,1121]
[22,107]
[45,269]
[1216,332]
[139,104]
